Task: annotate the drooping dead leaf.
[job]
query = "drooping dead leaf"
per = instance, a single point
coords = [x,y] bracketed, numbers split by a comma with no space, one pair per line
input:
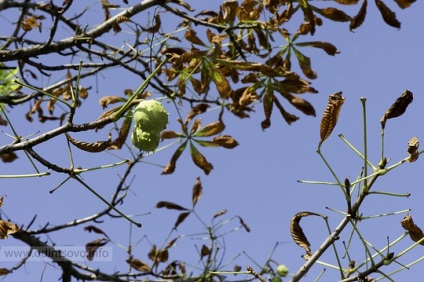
[181,218]
[1,200]
[91,247]
[414,231]
[108,100]
[224,141]
[268,102]
[7,228]
[191,36]
[210,129]
[218,214]
[329,48]
[404,3]
[92,228]
[334,14]
[205,251]
[196,192]
[155,28]
[158,255]
[413,145]
[4,271]
[360,17]
[388,15]
[170,206]
[200,160]
[297,233]
[8,157]
[123,134]
[30,23]
[196,110]
[170,167]
[347,2]
[331,115]
[398,108]
[247,228]
[94,147]
[288,117]
[139,265]
[305,65]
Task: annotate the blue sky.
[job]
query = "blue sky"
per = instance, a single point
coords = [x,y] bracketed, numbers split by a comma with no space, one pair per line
[258,179]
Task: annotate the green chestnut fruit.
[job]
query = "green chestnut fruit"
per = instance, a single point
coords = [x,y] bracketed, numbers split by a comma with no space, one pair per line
[282,270]
[150,116]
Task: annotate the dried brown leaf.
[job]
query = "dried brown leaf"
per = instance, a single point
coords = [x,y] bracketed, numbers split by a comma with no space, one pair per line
[91,247]
[331,115]
[218,214]
[3,121]
[192,37]
[7,228]
[94,147]
[268,101]
[415,232]
[297,233]
[108,100]
[329,48]
[4,271]
[200,160]
[158,255]
[169,134]
[229,11]
[347,2]
[8,157]
[360,17]
[247,228]
[139,265]
[197,110]
[225,141]
[205,251]
[170,205]
[334,14]
[301,104]
[305,65]
[196,192]
[181,218]
[123,134]
[30,23]
[398,108]
[170,167]
[155,28]
[404,3]
[92,228]
[413,145]
[210,129]
[1,200]
[388,15]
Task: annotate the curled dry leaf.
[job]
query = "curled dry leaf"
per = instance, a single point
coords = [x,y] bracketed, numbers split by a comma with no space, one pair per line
[91,247]
[95,147]
[218,214]
[247,228]
[225,141]
[196,192]
[92,228]
[108,100]
[388,15]
[210,129]
[297,233]
[7,228]
[331,115]
[196,110]
[414,231]
[398,108]
[158,255]
[205,251]
[139,265]
[155,28]
[170,206]
[200,160]
[413,145]
[360,17]
[8,157]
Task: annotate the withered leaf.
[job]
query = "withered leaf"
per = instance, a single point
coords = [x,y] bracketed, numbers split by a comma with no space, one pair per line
[29,23]
[334,14]
[170,205]
[288,117]
[196,110]
[210,129]
[388,15]
[414,231]
[360,17]
[224,141]
[123,134]
[247,228]
[297,233]
[218,214]
[301,104]
[200,160]
[92,228]
[155,28]
[139,265]
[8,157]
[329,48]
[404,3]
[191,36]
[171,243]
[221,83]
[7,228]
[94,147]
[169,134]
[398,108]
[3,121]
[158,255]
[196,192]
[181,218]
[91,247]
[1,200]
[107,100]
[331,115]
[413,145]
[305,64]
[170,167]
[268,101]
[4,271]
[205,251]
[347,2]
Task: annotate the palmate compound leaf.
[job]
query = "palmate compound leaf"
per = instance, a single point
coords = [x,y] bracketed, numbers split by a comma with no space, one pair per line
[331,115]
[398,108]
[297,233]
[413,145]
[414,231]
